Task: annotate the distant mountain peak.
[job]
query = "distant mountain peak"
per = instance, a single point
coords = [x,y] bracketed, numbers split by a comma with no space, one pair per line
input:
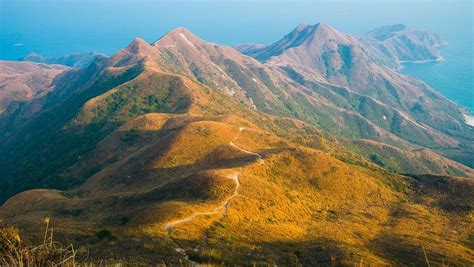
[137,45]
[177,37]
[299,35]
[178,31]
[76,60]
[137,50]
[384,32]
[398,27]
[301,26]
[323,26]
[303,35]
[306,27]
[32,55]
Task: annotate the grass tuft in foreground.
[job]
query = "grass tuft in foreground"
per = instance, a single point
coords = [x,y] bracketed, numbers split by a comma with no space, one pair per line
[15,252]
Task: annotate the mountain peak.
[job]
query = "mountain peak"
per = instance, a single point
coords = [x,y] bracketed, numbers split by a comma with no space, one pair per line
[383,32]
[134,52]
[301,27]
[179,30]
[299,35]
[324,26]
[32,56]
[326,30]
[176,37]
[138,46]
[302,35]
[305,32]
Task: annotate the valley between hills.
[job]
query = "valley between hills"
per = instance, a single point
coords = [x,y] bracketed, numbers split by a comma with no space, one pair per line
[309,151]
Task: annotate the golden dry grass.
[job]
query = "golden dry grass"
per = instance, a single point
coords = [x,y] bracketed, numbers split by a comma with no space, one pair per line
[16,252]
[297,206]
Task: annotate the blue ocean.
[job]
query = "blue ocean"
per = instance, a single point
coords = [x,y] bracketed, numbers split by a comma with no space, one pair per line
[58,27]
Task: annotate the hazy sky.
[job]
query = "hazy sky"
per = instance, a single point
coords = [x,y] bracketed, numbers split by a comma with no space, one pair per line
[58,26]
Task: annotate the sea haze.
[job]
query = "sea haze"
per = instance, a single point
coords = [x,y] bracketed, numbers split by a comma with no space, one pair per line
[55,28]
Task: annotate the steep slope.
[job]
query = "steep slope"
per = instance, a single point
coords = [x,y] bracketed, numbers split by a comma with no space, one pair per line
[320,53]
[21,81]
[218,189]
[267,90]
[223,68]
[417,161]
[53,145]
[392,45]
[87,104]
[288,93]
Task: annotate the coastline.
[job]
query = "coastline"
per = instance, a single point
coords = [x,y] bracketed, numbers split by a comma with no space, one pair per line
[440,58]
[469,119]
[401,62]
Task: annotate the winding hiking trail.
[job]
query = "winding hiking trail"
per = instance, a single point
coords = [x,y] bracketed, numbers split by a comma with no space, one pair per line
[235,177]
[168,227]
[241,149]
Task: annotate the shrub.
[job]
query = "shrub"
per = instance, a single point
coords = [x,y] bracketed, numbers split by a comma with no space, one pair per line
[104,235]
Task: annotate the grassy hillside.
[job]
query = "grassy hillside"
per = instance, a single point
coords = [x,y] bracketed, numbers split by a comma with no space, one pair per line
[87,104]
[293,204]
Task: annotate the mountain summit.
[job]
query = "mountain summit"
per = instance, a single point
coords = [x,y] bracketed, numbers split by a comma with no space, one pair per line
[387,31]
[177,37]
[309,36]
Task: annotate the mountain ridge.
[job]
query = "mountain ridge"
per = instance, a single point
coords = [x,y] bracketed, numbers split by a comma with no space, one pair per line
[75,60]
[244,78]
[344,61]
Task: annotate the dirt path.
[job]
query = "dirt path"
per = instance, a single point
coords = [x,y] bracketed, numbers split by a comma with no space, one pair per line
[223,207]
[241,129]
[235,176]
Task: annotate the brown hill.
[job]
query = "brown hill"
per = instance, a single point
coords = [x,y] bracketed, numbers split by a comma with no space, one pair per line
[87,104]
[21,81]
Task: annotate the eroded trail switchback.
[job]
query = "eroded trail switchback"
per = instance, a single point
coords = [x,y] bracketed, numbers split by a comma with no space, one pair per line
[223,207]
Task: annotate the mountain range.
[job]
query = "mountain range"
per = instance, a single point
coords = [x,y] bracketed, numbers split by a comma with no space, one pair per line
[310,150]
[75,60]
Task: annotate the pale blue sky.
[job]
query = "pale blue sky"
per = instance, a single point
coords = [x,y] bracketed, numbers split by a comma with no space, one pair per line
[59,26]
